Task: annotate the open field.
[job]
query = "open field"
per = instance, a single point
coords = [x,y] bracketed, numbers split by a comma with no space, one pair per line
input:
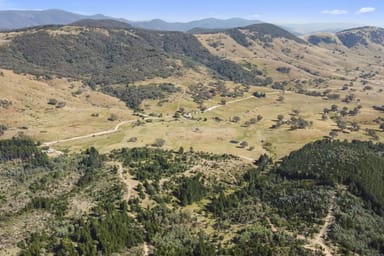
[215,136]
[30,114]
[83,121]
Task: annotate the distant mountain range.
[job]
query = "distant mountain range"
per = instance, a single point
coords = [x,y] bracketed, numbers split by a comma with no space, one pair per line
[210,23]
[10,20]
[21,19]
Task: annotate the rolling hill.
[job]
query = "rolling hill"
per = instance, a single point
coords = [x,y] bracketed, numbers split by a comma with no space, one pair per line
[356,37]
[108,52]
[362,36]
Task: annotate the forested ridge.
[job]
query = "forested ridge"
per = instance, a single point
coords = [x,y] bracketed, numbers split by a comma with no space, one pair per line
[110,56]
[117,55]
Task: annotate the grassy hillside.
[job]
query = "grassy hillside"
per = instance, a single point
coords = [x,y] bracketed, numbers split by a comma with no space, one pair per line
[264,32]
[78,110]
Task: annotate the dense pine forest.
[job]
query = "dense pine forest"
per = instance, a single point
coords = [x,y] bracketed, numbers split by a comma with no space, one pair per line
[359,165]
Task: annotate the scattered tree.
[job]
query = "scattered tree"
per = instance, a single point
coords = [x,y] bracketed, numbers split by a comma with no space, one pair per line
[235,119]
[244,144]
[158,143]
[372,133]
[52,101]
[112,117]
[382,126]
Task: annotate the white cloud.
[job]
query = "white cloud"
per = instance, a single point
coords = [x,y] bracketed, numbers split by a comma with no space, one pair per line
[366,10]
[335,12]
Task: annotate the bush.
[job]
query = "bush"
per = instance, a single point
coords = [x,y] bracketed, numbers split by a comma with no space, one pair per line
[52,101]
[244,144]
[112,117]
[132,139]
[259,94]
[158,143]
[3,128]
[61,104]
[283,70]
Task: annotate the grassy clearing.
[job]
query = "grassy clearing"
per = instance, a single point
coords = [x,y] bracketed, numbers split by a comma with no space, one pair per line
[215,136]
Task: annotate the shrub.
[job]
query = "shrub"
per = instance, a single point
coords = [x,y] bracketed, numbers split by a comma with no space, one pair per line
[52,101]
[112,117]
[61,104]
[158,143]
[284,70]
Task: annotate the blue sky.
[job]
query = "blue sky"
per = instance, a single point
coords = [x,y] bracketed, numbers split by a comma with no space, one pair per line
[370,12]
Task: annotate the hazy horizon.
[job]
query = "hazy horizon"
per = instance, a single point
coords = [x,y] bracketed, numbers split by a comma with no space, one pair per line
[274,11]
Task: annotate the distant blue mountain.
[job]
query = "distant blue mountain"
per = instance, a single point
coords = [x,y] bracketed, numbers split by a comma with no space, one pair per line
[21,19]
[210,23]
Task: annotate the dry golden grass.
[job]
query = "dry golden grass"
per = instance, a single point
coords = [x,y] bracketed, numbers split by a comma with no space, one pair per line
[330,61]
[46,122]
[213,136]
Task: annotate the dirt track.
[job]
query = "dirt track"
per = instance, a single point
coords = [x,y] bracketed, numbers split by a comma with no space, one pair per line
[318,241]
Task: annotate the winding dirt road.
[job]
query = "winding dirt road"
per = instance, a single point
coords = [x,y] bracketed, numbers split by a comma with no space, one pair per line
[273,228]
[228,103]
[129,182]
[120,172]
[319,239]
[146,249]
[246,158]
[238,100]
[115,129]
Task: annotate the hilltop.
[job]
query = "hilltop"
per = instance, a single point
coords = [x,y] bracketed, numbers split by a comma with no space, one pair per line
[362,36]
